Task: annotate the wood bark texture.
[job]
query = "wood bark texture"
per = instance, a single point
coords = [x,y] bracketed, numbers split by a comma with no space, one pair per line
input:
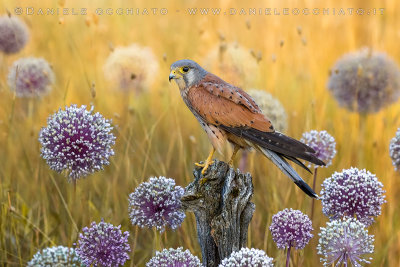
[220,201]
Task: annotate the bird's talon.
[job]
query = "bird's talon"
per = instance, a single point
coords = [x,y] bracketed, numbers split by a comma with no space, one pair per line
[199,164]
[206,165]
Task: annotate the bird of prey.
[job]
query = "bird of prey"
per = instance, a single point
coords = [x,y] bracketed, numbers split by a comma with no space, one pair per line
[227,113]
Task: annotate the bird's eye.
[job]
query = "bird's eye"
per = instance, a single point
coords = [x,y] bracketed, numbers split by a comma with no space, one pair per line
[185,69]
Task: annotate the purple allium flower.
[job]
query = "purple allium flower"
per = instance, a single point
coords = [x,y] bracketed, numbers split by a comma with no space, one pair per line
[157,203]
[323,144]
[365,81]
[247,257]
[291,228]
[345,240]
[352,192]
[13,34]
[76,141]
[174,258]
[56,256]
[394,150]
[103,244]
[30,77]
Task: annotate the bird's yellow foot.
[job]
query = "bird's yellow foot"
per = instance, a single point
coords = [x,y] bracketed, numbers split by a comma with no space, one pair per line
[204,165]
[199,164]
[207,163]
[235,150]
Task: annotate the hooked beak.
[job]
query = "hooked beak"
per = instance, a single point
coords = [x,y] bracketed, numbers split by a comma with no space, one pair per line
[174,75]
[171,76]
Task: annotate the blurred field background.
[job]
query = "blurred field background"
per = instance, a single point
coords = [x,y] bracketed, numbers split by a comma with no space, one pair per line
[158,136]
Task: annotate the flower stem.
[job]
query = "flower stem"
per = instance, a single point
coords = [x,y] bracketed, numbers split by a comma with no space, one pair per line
[74,195]
[362,137]
[134,243]
[288,256]
[313,187]
[157,240]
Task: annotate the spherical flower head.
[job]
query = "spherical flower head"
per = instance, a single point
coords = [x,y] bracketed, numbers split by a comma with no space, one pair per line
[291,228]
[323,143]
[132,68]
[76,141]
[271,108]
[345,240]
[157,203]
[103,244]
[30,77]
[247,257]
[233,63]
[352,192]
[365,81]
[56,256]
[174,258]
[13,34]
[394,150]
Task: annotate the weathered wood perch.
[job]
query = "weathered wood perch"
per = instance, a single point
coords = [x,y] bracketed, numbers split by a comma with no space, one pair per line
[222,209]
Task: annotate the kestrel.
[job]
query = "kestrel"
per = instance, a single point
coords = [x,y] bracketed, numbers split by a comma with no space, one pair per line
[227,113]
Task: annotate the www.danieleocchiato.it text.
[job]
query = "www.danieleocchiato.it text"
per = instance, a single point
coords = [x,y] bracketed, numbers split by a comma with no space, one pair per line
[199,11]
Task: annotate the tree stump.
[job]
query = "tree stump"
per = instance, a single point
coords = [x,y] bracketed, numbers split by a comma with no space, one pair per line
[220,201]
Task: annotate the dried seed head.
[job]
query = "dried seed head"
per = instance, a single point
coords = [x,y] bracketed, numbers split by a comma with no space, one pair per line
[234,63]
[271,108]
[132,68]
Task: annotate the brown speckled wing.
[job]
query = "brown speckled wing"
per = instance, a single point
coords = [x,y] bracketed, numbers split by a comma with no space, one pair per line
[231,109]
[220,88]
[220,103]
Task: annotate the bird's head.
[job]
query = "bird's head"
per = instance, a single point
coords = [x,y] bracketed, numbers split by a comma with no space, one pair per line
[186,73]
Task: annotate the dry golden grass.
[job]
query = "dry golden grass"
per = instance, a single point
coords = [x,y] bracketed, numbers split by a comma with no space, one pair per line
[157,135]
